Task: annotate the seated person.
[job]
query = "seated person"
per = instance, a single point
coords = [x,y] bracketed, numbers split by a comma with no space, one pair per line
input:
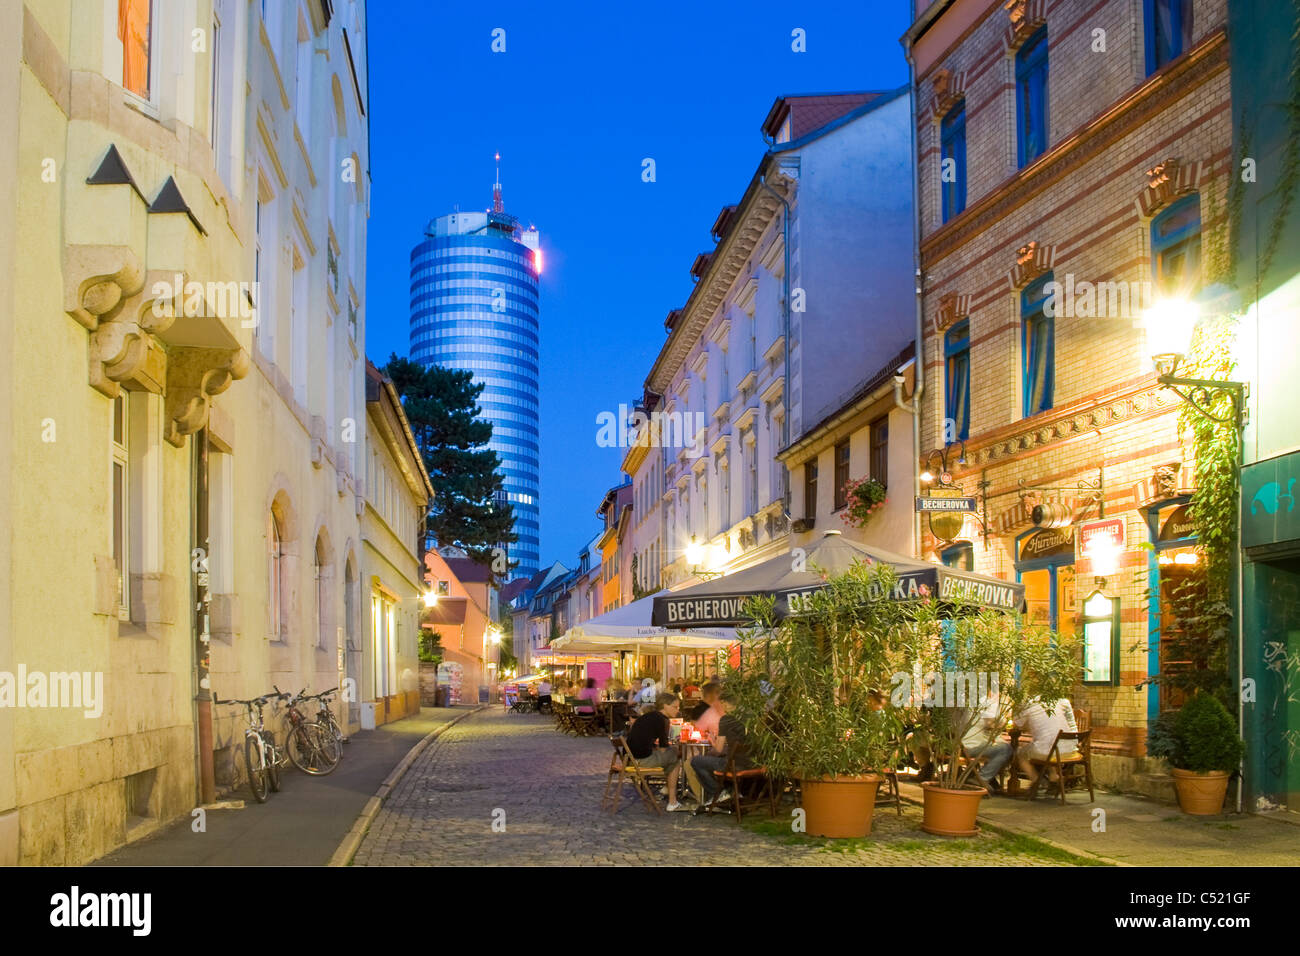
[584,701]
[649,742]
[544,694]
[705,716]
[983,740]
[1043,728]
[645,697]
[691,688]
[731,734]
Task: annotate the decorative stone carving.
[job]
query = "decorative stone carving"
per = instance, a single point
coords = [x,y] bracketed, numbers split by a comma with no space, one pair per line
[949,87]
[1086,421]
[317,441]
[194,377]
[953,307]
[1032,260]
[1166,181]
[97,279]
[1026,16]
[1166,479]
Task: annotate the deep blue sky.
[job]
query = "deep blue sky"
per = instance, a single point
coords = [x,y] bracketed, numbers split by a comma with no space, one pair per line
[582,94]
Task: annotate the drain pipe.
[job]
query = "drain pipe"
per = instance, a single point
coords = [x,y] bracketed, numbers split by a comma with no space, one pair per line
[785,242]
[913,407]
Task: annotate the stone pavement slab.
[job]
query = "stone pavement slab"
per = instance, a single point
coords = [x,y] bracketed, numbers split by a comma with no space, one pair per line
[510,789]
[303,824]
[1141,832]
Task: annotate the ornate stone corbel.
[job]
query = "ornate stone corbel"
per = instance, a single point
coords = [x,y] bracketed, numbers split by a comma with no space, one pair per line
[1032,260]
[317,441]
[1166,181]
[96,279]
[194,377]
[1026,17]
[952,309]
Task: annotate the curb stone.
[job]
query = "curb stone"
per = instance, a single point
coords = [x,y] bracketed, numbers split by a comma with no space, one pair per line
[348,848]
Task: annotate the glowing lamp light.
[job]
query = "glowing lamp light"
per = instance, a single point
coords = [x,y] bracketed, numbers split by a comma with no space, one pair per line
[430,598]
[1169,325]
[927,477]
[1187,557]
[694,552]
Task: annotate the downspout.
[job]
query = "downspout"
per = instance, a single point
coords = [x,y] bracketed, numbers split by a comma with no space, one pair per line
[785,299]
[914,406]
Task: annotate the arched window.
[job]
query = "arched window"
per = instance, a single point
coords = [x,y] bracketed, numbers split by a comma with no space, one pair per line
[275,547]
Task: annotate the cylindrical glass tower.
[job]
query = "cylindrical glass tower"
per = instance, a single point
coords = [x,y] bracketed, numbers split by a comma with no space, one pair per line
[474,307]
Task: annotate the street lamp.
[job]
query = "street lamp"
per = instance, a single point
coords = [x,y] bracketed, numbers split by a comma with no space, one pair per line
[695,557]
[945,478]
[1169,324]
[430,598]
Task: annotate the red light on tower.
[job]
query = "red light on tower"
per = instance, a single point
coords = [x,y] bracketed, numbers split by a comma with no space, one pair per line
[537,261]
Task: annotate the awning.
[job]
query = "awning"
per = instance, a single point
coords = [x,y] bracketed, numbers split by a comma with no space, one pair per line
[719,603]
[629,629]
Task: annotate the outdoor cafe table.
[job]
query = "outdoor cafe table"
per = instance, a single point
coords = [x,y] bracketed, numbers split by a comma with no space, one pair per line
[1013,768]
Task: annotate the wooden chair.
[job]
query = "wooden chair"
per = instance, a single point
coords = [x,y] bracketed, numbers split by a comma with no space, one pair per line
[756,778]
[889,792]
[1067,767]
[563,717]
[1083,719]
[643,778]
[585,723]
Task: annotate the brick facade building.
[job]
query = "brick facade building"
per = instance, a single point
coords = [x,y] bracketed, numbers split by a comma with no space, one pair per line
[1072,156]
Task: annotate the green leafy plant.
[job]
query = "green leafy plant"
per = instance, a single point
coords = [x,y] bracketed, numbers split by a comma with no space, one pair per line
[812,688]
[430,646]
[865,497]
[1200,737]
[979,648]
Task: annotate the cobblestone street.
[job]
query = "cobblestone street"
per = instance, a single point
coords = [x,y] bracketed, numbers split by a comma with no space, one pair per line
[549,787]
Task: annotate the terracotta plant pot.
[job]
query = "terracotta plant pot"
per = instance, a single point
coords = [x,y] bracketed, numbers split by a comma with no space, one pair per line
[840,806]
[951,812]
[1201,793]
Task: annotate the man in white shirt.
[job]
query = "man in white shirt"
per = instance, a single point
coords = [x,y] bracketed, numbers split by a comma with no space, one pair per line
[544,694]
[983,740]
[1043,726]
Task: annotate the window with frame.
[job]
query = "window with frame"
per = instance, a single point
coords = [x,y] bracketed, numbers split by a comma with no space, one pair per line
[952,167]
[275,547]
[1031,98]
[879,464]
[121,485]
[135,24]
[956,358]
[1038,346]
[1168,31]
[960,556]
[841,475]
[1176,247]
[810,489]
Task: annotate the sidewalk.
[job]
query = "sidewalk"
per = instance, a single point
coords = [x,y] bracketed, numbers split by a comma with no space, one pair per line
[1140,832]
[304,823]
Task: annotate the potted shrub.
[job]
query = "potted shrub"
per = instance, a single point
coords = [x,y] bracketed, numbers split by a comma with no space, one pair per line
[951,665]
[1201,743]
[810,695]
[865,497]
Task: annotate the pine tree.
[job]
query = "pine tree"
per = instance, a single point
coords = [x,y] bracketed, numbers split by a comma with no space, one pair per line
[469,509]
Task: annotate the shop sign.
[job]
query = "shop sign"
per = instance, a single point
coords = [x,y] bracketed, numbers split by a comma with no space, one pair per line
[935,503]
[947,509]
[1103,535]
[1178,525]
[1270,514]
[1048,543]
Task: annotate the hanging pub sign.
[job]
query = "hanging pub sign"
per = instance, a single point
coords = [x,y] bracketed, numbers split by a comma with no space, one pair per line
[947,509]
[1048,543]
[1178,525]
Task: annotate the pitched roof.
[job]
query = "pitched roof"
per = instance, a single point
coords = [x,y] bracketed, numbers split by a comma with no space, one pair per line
[468,571]
[812,111]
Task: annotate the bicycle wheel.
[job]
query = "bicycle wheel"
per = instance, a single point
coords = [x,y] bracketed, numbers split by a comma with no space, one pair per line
[312,750]
[331,747]
[273,758]
[256,771]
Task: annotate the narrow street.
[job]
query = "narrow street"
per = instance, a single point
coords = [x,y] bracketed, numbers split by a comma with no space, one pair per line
[549,786]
